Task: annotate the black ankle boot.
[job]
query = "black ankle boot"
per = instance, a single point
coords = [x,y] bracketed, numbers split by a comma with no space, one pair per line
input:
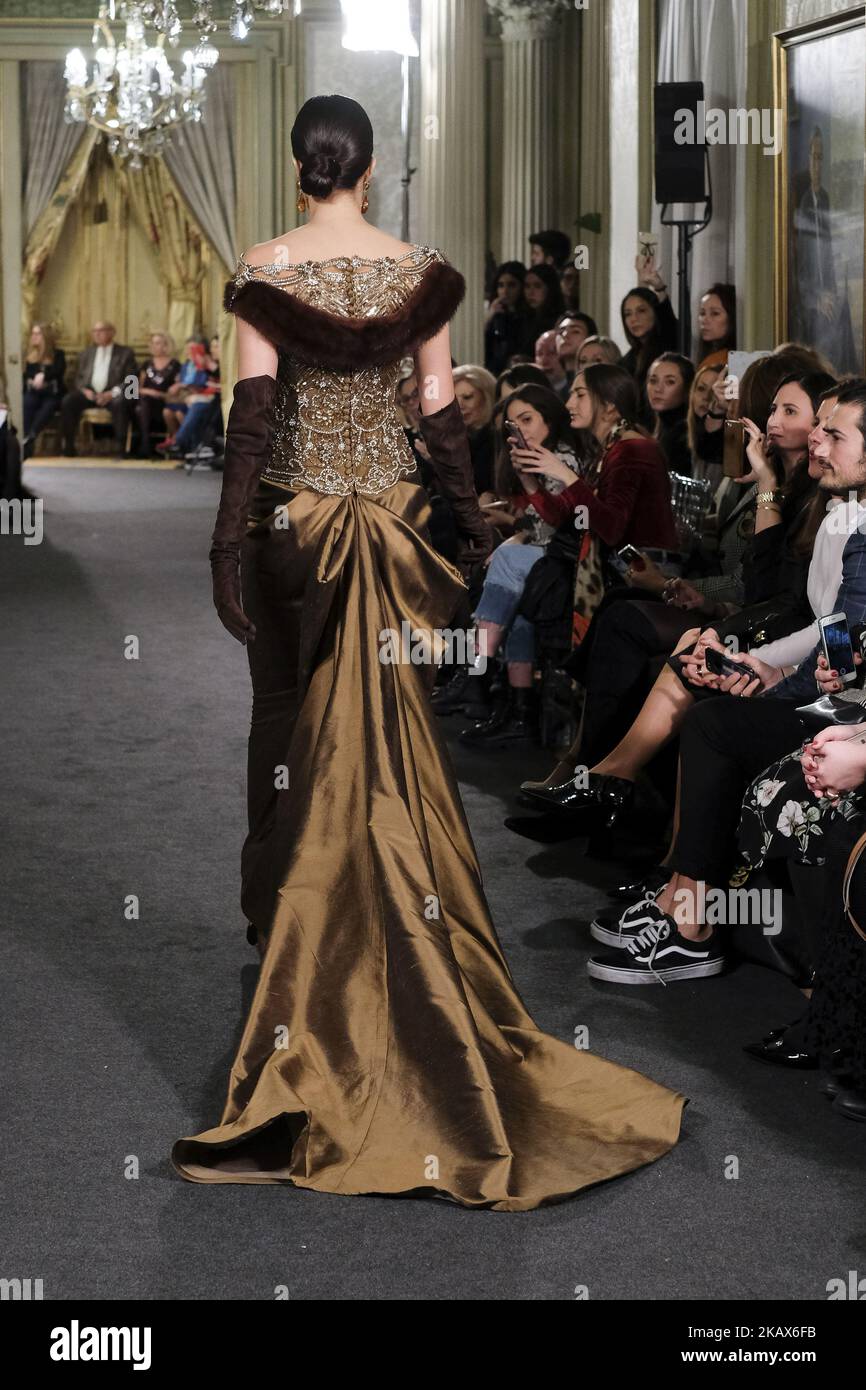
[511,723]
[451,698]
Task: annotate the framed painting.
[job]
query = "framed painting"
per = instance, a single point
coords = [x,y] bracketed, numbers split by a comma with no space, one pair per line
[820,84]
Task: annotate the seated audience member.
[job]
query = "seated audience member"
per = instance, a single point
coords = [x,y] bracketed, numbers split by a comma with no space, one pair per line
[627,641]
[102,373]
[790,539]
[649,324]
[508,328]
[709,431]
[442,528]
[717,326]
[668,384]
[707,465]
[809,808]
[159,372]
[44,373]
[726,743]
[549,248]
[191,378]
[475,389]
[547,360]
[10,456]
[572,332]
[543,422]
[624,495]
[631,503]
[569,283]
[543,295]
[597,349]
[203,411]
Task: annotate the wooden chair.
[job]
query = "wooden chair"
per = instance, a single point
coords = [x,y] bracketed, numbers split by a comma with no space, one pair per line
[98,415]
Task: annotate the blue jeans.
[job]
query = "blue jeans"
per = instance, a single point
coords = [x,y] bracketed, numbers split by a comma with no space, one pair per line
[195,420]
[503,588]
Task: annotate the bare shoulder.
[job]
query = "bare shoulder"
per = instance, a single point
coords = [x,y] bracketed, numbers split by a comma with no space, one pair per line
[303,244]
[276,252]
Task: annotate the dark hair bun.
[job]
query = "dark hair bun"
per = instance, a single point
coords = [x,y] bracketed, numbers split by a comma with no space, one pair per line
[332,140]
[319,174]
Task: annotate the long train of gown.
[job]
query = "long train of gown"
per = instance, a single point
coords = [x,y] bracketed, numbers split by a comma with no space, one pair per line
[387,1049]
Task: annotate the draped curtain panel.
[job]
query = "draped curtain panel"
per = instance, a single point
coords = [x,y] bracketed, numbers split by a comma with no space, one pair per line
[201,159]
[45,235]
[49,143]
[706,41]
[174,236]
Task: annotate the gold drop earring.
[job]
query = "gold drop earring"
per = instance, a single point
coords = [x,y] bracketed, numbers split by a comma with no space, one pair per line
[302,201]
[366,201]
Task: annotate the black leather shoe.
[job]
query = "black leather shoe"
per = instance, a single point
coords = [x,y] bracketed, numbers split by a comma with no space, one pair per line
[851,1104]
[782,1054]
[511,724]
[610,794]
[450,698]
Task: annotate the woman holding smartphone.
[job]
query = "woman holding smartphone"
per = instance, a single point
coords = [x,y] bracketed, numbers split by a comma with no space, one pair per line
[536,426]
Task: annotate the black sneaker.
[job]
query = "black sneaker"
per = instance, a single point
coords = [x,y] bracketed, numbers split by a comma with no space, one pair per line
[616,926]
[658,954]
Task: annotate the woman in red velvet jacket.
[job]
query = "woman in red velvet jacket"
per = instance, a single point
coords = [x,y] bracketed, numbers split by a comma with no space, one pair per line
[628,500]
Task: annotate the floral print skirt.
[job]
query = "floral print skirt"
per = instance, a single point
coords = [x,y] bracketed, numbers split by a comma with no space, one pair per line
[781,819]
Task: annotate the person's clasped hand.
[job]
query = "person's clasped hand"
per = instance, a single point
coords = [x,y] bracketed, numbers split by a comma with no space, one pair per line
[834,761]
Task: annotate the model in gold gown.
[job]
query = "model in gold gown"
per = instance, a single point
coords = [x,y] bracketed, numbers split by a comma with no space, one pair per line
[387,1049]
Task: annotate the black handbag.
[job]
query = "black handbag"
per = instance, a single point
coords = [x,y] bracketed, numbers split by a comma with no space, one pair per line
[831,709]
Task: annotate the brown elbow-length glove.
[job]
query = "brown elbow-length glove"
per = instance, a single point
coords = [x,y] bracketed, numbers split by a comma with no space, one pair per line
[445,435]
[248,440]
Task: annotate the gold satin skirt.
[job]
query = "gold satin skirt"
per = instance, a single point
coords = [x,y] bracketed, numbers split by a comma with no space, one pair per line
[387,1049]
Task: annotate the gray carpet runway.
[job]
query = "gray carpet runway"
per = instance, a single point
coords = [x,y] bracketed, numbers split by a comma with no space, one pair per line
[125,778]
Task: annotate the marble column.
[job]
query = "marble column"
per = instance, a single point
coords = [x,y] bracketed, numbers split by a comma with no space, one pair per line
[530,133]
[451,163]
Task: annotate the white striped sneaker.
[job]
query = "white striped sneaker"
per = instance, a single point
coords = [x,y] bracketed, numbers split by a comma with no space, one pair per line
[658,953]
[615,928]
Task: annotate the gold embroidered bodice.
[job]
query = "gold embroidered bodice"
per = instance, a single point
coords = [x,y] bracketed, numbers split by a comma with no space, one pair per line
[338,432]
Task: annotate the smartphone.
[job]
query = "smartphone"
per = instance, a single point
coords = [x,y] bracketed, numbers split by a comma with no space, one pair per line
[633,558]
[647,245]
[838,650]
[721,665]
[734,449]
[514,433]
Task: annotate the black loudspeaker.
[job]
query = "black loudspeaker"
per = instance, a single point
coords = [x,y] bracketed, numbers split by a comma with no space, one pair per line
[680,168]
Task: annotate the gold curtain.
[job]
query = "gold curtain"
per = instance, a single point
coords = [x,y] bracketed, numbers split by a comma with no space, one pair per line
[175,238]
[46,233]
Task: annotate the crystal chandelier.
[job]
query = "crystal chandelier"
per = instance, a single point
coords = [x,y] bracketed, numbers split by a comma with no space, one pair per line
[133,95]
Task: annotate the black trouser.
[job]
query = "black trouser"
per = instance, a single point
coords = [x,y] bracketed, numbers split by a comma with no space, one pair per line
[39,406]
[626,637]
[149,411]
[73,407]
[724,744]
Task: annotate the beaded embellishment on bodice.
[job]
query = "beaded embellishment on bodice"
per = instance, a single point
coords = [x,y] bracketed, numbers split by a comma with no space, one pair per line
[338,432]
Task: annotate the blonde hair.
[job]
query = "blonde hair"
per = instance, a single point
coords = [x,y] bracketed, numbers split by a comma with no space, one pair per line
[483,381]
[49,344]
[716,368]
[610,349]
[167,338]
